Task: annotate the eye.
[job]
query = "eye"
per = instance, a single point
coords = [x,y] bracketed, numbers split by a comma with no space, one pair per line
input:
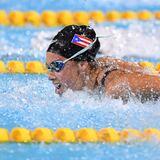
[57,64]
[48,66]
[51,79]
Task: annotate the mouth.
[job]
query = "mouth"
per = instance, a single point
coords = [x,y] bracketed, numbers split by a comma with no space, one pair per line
[57,85]
[58,88]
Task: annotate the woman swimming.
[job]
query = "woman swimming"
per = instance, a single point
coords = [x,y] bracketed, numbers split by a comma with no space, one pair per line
[72,63]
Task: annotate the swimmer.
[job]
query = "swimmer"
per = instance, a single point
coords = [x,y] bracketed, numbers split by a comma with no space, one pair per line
[72,64]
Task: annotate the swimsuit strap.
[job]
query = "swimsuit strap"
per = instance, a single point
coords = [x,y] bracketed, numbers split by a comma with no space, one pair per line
[104,77]
[106,73]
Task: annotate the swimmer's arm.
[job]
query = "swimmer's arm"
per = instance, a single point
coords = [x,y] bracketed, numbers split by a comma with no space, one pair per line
[129,66]
[122,65]
[121,85]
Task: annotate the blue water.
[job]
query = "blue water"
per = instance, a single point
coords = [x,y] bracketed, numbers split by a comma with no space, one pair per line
[23,49]
[87,5]
[80,152]
[29,100]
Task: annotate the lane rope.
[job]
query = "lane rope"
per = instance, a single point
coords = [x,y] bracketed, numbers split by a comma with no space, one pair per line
[50,18]
[82,135]
[37,67]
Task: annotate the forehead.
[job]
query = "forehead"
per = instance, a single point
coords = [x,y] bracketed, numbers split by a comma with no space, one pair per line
[50,57]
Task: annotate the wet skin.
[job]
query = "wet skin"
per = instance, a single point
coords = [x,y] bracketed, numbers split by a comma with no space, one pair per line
[71,76]
[124,85]
[129,79]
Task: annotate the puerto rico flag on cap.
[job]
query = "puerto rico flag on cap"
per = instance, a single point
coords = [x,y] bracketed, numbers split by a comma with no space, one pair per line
[81,40]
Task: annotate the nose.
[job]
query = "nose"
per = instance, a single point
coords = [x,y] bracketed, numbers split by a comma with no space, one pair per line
[51,76]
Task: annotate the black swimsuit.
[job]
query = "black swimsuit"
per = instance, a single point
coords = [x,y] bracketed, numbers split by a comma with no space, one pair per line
[108,71]
[104,77]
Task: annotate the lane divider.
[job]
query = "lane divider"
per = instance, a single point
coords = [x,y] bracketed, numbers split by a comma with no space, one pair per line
[37,67]
[30,67]
[50,18]
[83,135]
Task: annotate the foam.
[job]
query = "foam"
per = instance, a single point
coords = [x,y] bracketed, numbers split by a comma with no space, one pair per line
[123,42]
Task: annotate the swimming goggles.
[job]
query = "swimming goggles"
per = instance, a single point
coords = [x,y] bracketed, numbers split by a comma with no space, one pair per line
[57,66]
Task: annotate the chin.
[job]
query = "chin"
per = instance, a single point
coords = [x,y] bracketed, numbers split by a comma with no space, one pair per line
[59,91]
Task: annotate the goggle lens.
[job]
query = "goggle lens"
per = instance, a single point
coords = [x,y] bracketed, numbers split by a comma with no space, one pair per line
[55,66]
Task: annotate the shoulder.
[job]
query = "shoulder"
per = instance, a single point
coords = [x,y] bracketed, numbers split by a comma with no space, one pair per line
[109,61]
[104,59]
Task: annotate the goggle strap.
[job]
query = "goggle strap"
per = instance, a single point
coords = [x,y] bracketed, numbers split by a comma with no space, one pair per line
[86,48]
[108,36]
[81,51]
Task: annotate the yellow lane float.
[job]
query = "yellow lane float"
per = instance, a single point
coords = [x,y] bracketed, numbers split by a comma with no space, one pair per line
[150,67]
[109,135]
[16,18]
[113,16]
[15,67]
[97,16]
[130,135]
[144,15]
[81,17]
[157,15]
[49,18]
[158,67]
[21,135]
[87,135]
[128,15]
[42,135]
[151,134]
[3,18]
[4,135]
[65,18]
[2,67]
[33,18]
[35,67]
[83,135]
[64,135]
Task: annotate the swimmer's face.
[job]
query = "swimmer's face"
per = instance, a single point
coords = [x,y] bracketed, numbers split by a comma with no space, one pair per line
[69,77]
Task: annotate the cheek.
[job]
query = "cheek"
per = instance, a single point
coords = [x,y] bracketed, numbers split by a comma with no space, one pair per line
[72,71]
[68,74]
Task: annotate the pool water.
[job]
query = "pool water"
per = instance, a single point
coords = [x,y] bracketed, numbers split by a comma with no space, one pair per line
[29,101]
[57,5]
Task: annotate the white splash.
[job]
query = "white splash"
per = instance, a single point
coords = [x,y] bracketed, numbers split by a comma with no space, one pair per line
[141,40]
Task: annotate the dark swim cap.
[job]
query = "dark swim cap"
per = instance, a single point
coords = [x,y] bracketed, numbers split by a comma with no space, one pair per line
[61,43]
